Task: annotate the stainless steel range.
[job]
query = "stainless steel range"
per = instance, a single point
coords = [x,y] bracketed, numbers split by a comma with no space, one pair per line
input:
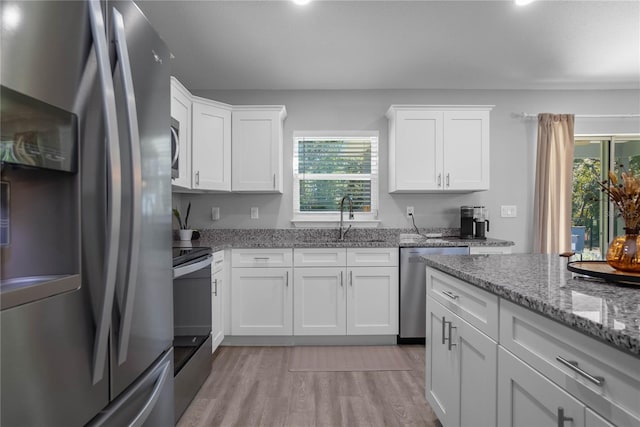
[192,322]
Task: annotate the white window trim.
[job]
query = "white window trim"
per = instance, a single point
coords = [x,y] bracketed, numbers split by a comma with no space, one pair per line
[332,219]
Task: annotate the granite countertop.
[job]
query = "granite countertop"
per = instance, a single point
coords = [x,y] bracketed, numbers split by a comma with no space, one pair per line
[220,239]
[542,283]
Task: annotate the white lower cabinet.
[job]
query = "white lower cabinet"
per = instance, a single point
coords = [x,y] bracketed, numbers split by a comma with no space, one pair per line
[335,298]
[536,372]
[261,292]
[319,299]
[261,301]
[460,370]
[217,300]
[372,301]
[527,398]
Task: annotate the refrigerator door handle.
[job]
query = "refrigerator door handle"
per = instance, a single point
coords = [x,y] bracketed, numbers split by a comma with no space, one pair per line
[136,185]
[103,320]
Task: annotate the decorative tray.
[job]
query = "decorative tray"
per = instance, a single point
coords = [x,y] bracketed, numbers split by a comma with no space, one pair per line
[602,270]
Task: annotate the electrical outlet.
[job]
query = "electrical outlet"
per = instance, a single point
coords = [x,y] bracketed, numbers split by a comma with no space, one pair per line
[409,211]
[215,214]
[508,211]
[254,213]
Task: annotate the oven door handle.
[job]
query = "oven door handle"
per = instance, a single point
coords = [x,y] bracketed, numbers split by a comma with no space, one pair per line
[184,269]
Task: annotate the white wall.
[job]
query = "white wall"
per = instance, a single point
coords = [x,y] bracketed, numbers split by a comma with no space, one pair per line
[513,147]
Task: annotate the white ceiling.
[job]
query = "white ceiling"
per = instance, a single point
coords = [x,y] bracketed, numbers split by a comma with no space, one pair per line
[333,44]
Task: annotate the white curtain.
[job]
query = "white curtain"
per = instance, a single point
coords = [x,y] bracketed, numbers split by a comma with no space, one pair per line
[554,173]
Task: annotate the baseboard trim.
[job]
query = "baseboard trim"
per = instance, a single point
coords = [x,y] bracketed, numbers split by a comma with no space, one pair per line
[261,340]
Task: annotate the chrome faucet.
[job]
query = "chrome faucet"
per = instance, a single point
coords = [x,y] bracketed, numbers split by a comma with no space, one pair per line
[342,231]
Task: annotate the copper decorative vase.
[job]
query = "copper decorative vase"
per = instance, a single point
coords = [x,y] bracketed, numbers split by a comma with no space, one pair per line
[623,252]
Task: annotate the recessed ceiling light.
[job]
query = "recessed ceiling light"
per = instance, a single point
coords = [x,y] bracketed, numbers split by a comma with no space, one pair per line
[11,17]
[523,2]
[302,2]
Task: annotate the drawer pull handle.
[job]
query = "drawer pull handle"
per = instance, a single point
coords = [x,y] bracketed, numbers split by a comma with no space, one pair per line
[220,261]
[562,418]
[450,294]
[266,258]
[444,324]
[573,365]
[341,279]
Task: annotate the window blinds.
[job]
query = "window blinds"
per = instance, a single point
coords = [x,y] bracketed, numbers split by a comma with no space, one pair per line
[327,169]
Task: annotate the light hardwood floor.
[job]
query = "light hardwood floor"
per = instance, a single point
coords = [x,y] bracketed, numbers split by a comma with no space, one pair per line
[252,386]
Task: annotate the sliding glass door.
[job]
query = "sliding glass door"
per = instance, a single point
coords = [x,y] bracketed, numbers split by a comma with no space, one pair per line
[594,222]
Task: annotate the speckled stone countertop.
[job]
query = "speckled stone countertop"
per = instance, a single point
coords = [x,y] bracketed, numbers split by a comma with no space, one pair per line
[542,283]
[220,239]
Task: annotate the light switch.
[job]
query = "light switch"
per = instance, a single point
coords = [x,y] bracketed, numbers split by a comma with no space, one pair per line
[508,211]
[215,214]
[254,213]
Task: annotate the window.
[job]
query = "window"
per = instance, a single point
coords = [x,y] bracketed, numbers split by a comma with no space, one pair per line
[594,223]
[330,165]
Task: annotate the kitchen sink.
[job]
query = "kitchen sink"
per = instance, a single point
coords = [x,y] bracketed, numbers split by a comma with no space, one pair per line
[347,240]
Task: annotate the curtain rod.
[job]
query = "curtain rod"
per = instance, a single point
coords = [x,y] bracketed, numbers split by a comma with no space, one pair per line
[583,116]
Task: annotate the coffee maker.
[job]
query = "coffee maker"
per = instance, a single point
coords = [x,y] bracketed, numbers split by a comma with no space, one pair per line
[481,220]
[466,222]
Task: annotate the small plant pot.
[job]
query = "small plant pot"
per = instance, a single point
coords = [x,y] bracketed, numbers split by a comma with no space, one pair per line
[185,234]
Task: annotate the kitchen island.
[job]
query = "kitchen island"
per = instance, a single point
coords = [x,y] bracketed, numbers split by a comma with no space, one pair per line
[513,338]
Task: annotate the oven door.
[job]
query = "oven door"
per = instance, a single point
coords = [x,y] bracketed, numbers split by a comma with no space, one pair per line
[175,148]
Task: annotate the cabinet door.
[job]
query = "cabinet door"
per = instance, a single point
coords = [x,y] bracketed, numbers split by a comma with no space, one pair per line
[319,301]
[461,377]
[217,311]
[211,156]
[442,381]
[416,155]
[372,301]
[181,111]
[261,301]
[527,398]
[257,151]
[466,150]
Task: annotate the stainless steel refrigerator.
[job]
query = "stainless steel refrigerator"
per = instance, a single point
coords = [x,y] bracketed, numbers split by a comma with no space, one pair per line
[85,225]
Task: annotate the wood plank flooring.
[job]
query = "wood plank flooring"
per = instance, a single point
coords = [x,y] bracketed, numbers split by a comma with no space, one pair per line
[252,386]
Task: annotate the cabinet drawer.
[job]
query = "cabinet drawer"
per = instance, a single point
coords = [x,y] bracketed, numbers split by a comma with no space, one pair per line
[261,258]
[372,257]
[543,343]
[320,257]
[476,306]
[218,261]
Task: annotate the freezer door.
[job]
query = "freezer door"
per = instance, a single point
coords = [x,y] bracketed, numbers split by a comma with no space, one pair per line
[147,402]
[143,308]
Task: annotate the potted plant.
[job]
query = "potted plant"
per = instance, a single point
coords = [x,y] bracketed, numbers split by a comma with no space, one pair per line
[184,232]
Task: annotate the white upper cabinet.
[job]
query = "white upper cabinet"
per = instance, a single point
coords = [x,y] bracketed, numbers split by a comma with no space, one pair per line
[181,112]
[438,148]
[211,146]
[257,149]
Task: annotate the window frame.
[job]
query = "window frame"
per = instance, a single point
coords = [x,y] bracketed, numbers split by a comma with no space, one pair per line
[327,219]
[608,218]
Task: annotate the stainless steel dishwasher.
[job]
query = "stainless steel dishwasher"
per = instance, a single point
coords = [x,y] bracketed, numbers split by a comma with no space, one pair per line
[413,289]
